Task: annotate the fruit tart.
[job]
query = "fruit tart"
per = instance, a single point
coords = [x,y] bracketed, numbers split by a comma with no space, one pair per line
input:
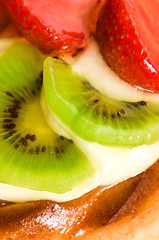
[79,120]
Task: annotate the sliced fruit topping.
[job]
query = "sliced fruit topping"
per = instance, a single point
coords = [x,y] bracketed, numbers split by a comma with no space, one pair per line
[128,37]
[94,15]
[53,25]
[31,154]
[93,116]
[4,19]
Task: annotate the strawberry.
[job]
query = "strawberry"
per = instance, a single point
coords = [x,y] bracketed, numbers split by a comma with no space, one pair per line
[4,19]
[94,15]
[128,35]
[52,25]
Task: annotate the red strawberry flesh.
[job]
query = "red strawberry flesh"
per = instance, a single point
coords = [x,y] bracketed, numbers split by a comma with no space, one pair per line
[53,25]
[4,19]
[63,15]
[146,18]
[127,32]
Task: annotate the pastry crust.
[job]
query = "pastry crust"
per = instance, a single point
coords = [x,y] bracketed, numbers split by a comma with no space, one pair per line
[129,209]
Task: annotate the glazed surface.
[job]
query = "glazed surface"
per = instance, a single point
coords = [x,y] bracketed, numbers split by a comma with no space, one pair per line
[129,209]
[97,212]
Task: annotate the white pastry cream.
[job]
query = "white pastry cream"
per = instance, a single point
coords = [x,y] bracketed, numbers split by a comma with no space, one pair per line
[92,66]
[112,164]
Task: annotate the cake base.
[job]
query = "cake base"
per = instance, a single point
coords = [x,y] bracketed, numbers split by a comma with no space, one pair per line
[129,210]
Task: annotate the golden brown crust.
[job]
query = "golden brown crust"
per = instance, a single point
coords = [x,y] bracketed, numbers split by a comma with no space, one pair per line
[129,210]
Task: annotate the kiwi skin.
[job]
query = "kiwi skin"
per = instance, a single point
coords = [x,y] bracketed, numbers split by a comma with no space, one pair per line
[94,116]
[32,155]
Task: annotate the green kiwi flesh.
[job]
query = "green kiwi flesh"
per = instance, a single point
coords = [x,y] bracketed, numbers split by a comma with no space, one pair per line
[94,116]
[31,154]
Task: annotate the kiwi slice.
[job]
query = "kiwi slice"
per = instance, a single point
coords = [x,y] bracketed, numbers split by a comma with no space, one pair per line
[31,154]
[94,116]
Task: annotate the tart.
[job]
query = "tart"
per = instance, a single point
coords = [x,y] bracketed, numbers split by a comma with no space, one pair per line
[126,209]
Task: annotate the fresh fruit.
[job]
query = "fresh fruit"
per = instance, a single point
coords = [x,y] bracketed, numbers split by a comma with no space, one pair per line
[4,19]
[127,32]
[32,155]
[53,25]
[93,116]
[94,15]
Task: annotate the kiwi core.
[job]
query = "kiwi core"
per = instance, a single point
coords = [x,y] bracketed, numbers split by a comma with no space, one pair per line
[32,120]
[32,155]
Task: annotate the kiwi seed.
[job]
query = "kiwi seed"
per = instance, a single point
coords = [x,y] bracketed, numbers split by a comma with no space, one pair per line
[31,154]
[93,116]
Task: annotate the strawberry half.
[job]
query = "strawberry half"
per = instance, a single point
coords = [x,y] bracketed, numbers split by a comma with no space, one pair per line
[128,35]
[4,19]
[52,25]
